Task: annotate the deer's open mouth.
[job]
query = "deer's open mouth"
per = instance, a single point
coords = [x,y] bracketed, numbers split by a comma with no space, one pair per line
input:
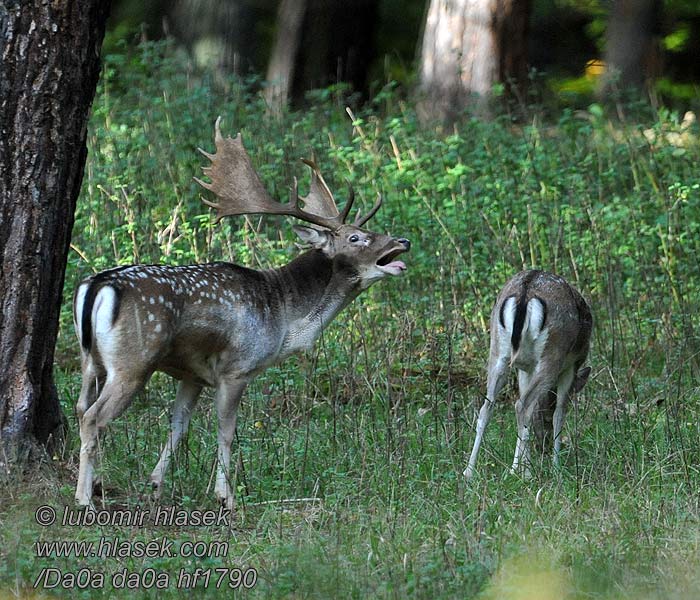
[388,264]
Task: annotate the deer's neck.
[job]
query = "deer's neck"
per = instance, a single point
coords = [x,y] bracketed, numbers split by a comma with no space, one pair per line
[315,289]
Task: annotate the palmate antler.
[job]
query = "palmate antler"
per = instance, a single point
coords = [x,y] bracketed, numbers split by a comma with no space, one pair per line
[240,191]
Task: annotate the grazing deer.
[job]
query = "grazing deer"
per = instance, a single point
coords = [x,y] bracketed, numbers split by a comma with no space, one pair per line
[541,326]
[219,324]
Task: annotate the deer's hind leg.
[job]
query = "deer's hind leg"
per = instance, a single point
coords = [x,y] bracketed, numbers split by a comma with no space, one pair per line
[185,401]
[92,380]
[498,369]
[530,399]
[114,398]
[524,379]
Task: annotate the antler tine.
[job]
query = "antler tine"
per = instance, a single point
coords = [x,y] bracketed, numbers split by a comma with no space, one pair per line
[320,200]
[217,131]
[240,190]
[360,221]
[348,204]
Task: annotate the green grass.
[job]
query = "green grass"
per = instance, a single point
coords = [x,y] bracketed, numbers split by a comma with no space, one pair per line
[349,458]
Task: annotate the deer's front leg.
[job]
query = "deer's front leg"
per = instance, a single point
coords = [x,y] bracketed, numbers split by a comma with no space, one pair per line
[228,397]
[563,387]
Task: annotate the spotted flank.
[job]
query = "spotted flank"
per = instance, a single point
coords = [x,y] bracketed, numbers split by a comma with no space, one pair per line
[98,299]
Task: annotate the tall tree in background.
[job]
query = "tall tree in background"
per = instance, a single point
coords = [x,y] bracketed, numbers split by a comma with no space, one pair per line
[280,69]
[630,56]
[468,46]
[50,67]
[220,33]
[319,43]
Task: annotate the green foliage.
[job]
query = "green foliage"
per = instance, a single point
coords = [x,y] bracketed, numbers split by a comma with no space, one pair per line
[349,477]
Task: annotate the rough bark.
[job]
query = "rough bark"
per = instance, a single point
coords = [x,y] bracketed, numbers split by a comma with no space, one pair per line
[50,67]
[629,48]
[468,46]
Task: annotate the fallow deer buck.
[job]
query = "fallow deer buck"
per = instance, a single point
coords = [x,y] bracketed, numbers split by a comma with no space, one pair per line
[541,326]
[219,324]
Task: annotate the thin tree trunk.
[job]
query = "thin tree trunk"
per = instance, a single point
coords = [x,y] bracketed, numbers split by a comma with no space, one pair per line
[337,45]
[280,71]
[50,67]
[221,34]
[629,45]
[511,23]
[468,46]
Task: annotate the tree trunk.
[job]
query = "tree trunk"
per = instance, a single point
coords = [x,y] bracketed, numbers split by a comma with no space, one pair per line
[221,34]
[280,71]
[468,46]
[629,50]
[50,67]
[337,45]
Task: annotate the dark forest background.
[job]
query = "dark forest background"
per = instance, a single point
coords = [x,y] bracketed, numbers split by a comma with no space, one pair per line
[364,44]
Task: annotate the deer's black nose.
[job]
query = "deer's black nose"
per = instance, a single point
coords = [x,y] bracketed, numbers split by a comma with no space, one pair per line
[405,243]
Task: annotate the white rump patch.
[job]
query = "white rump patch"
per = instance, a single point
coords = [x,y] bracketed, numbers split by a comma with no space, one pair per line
[508,312]
[103,310]
[534,319]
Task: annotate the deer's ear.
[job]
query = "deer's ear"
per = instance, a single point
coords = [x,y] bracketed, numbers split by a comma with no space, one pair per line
[309,235]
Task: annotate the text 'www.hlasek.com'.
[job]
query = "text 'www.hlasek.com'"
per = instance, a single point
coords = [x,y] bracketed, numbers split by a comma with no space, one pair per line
[130,545]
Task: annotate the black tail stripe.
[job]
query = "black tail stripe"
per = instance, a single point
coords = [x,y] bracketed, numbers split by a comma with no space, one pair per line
[86,317]
[95,286]
[518,321]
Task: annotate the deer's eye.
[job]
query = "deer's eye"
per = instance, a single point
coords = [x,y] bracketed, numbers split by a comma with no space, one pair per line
[354,238]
